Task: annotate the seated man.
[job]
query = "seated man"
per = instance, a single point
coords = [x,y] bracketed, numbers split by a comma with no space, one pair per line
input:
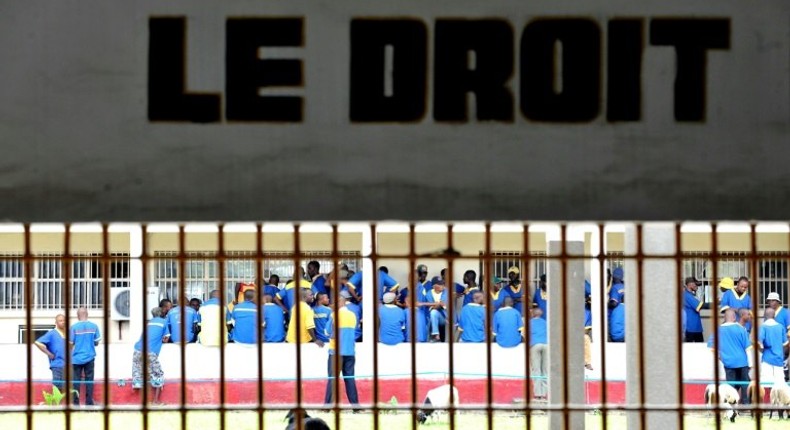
[436,299]
[392,321]
[471,324]
[174,323]
[273,321]
[245,320]
[508,325]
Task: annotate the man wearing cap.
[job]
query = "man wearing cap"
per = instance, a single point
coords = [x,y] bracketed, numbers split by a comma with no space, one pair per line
[436,303]
[691,310]
[539,299]
[422,287]
[737,298]
[472,322]
[514,288]
[392,321]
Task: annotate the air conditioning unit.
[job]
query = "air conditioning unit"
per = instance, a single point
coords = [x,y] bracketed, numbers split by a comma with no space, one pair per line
[120,304]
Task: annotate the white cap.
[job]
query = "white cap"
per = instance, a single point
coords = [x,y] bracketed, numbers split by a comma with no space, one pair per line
[773,296]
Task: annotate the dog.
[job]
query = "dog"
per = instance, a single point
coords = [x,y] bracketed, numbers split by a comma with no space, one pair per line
[437,398]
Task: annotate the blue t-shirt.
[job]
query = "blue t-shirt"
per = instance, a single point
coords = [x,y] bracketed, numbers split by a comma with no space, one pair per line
[517,295]
[287,294]
[733,343]
[392,322]
[587,318]
[617,323]
[274,323]
[385,284]
[321,316]
[508,326]
[421,327]
[357,310]
[245,317]
[156,329]
[270,290]
[497,299]
[782,316]
[319,284]
[347,324]
[56,344]
[731,300]
[587,289]
[537,331]
[617,292]
[422,287]
[472,323]
[84,335]
[773,337]
[540,299]
[691,308]
[174,321]
[470,295]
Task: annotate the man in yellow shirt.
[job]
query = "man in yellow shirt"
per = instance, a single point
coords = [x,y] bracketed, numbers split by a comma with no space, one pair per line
[307,326]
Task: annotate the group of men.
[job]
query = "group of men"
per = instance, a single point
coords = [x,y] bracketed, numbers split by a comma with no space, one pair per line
[83,337]
[734,336]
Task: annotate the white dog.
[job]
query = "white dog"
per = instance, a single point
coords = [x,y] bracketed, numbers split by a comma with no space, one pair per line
[437,398]
[728,397]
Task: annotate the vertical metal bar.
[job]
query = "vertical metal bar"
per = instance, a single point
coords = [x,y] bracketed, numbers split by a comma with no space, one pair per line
[489,306]
[28,261]
[221,261]
[261,282]
[413,310]
[679,319]
[67,286]
[450,288]
[565,358]
[105,265]
[641,326]
[145,261]
[526,306]
[602,335]
[335,321]
[374,260]
[182,344]
[715,320]
[755,328]
[297,280]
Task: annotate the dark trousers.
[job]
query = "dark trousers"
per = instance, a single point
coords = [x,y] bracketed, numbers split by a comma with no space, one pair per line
[347,368]
[693,337]
[83,375]
[58,378]
[739,374]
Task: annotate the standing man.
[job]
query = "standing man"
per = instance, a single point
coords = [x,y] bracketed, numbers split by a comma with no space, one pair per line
[307,319]
[738,298]
[772,341]
[273,321]
[691,309]
[322,313]
[392,321]
[733,344]
[508,325]
[195,304]
[539,354]
[472,322]
[174,323]
[272,287]
[422,287]
[781,314]
[214,321]
[156,333]
[84,336]
[245,320]
[53,344]
[345,347]
[470,277]
[317,279]
[617,323]
[287,297]
[515,289]
[541,297]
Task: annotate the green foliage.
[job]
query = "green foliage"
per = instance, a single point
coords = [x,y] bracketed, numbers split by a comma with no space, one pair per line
[394,401]
[56,397]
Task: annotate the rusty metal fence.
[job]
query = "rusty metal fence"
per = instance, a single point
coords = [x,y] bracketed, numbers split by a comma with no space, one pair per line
[504,383]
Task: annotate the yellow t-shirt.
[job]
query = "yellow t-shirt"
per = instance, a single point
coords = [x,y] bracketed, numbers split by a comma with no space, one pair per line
[306,314]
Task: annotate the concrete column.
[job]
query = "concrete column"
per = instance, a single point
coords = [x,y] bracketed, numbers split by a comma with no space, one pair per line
[659,351]
[566,353]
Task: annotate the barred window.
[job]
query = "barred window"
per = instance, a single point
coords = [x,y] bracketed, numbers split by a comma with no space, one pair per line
[503,260]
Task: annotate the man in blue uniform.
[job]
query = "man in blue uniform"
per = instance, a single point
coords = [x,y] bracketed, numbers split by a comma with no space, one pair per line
[436,303]
[733,344]
[617,323]
[691,309]
[174,323]
[458,288]
[273,321]
[245,320]
[515,288]
[83,336]
[386,284]
[539,354]
[772,341]
[508,325]
[541,297]
[344,347]
[497,296]
[420,323]
[422,287]
[53,344]
[321,315]
[317,279]
[272,287]
[392,321]
[356,308]
[472,322]
[738,298]
[617,291]
[156,333]
[470,278]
